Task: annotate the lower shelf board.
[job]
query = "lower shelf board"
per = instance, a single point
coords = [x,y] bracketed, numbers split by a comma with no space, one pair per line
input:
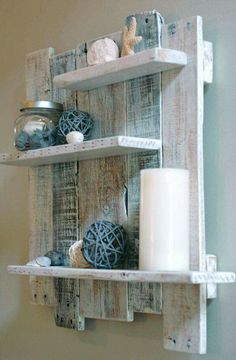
[92,149]
[176,277]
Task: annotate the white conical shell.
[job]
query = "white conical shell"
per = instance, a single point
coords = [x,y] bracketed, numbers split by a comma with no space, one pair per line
[32,263]
[43,261]
[102,51]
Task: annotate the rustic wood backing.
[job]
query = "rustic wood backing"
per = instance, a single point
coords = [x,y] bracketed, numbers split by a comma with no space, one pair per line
[65,208]
[102,191]
[38,87]
[143,98]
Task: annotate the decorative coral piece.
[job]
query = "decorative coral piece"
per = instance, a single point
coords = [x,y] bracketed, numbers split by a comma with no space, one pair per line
[129,40]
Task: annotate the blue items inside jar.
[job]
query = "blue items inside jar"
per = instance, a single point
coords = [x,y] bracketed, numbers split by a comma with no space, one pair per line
[36,127]
[38,139]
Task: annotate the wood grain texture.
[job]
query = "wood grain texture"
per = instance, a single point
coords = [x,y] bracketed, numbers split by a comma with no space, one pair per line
[143,119]
[185,307]
[65,209]
[87,150]
[151,277]
[147,62]
[38,81]
[38,87]
[102,192]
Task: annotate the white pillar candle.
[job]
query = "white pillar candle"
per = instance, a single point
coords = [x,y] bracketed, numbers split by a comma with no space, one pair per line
[164,220]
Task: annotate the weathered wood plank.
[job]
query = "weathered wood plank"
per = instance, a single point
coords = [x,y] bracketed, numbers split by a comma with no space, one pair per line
[208,62]
[143,119]
[65,209]
[38,87]
[211,266]
[148,62]
[185,306]
[102,192]
[60,64]
[91,149]
[151,277]
[38,81]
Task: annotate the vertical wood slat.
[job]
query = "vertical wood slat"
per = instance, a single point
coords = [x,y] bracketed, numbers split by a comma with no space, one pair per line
[143,97]
[65,209]
[38,87]
[102,191]
[184,312]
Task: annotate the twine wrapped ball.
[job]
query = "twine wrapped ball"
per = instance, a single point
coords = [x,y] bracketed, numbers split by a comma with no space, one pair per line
[76,256]
[104,245]
[74,120]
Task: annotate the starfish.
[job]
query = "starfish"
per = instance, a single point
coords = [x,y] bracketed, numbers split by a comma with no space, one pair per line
[129,39]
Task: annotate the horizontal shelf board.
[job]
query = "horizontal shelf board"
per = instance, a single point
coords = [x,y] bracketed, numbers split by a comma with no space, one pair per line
[182,277]
[129,67]
[92,149]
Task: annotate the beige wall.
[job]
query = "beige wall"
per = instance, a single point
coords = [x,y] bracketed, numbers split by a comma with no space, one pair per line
[28,332]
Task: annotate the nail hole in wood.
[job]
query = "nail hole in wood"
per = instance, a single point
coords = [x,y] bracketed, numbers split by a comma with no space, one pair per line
[146,20]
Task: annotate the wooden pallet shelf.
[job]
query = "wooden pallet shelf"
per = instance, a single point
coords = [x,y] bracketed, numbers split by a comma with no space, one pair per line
[92,149]
[174,277]
[146,62]
[68,197]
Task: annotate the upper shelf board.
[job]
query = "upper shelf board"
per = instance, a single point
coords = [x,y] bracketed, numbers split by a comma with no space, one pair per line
[181,277]
[92,149]
[125,68]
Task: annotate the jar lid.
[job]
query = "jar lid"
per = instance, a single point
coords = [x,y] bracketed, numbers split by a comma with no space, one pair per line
[42,104]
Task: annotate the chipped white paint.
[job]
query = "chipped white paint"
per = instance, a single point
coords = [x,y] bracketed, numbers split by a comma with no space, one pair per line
[184,306]
[208,62]
[173,277]
[211,266]
[92,149]
[129,67]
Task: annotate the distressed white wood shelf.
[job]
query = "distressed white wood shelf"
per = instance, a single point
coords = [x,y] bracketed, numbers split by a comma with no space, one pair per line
[174,277]
[92,149]
[146,62]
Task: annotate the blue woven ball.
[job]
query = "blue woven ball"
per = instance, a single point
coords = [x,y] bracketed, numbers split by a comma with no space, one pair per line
[104,245]
[74,120]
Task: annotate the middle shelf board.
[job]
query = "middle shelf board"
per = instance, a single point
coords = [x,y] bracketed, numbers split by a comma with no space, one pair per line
[146,62]
[92,149]
[176,277]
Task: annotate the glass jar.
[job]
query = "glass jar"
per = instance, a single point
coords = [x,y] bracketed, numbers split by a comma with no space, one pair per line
[36,127]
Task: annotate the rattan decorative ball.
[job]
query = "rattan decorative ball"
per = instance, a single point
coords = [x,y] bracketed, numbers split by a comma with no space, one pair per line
[74,120]
[104,245]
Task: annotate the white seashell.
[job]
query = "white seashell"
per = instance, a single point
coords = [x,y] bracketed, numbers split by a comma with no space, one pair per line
[102,51]
[32,263]
[76,255]
[31,126]
[43,261]
[74,137]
